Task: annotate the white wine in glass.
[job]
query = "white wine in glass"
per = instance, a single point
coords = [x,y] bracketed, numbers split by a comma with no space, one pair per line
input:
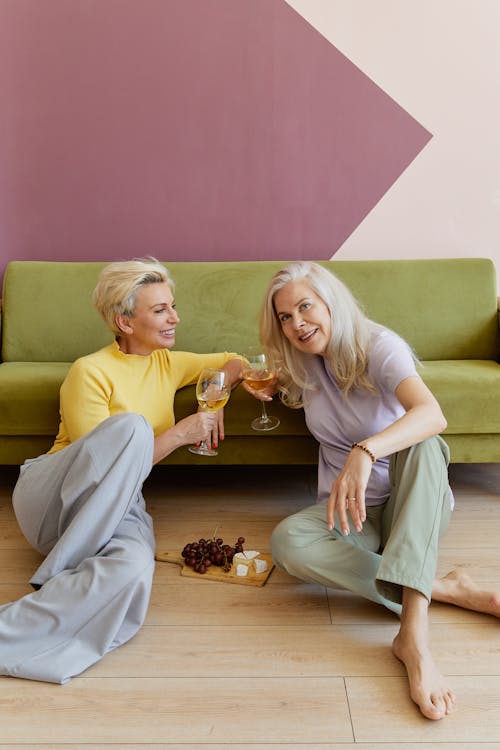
[212,393]
[259,376]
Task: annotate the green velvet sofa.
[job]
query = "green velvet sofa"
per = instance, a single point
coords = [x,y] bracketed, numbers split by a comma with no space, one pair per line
[446,309]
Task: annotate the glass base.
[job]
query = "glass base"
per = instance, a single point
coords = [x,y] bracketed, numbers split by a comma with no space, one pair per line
[262,424]
[202,450]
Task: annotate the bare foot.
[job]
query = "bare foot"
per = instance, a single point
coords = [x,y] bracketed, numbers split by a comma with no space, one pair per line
[459,589]
[427,687]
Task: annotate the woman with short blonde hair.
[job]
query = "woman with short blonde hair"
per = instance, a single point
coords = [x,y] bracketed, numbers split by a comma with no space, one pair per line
[81,504]
[116,290]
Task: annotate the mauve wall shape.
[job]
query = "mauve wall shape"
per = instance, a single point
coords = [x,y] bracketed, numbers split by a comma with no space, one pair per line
[188,129]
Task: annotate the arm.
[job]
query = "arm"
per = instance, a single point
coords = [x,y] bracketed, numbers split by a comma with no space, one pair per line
[232,368]
[422,419]
[190,430]
[198,426]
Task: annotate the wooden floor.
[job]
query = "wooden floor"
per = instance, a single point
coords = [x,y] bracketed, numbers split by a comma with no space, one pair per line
[290,665]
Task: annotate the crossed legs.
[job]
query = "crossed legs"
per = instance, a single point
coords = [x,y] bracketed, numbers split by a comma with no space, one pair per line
[402,577]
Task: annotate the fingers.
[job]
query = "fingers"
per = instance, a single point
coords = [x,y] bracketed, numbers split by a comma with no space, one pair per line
[207,422]
[264,395]
[344,507]
[220,424]
[217,430]
[356,509]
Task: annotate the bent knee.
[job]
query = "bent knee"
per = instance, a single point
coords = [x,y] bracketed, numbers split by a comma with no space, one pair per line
[292,541]
[132,425]
[134,555]
[432,453]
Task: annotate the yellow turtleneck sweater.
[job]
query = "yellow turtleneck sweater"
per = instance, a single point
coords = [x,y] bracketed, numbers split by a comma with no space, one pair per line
[110,382]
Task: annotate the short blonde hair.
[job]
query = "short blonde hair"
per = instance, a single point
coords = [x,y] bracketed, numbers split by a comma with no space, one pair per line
[347,352]
[118,283]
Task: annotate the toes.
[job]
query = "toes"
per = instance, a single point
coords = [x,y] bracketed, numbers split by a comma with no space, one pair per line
[450,701]
[436,707]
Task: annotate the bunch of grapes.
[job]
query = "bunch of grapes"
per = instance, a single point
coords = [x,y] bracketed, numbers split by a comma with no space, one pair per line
[204,553]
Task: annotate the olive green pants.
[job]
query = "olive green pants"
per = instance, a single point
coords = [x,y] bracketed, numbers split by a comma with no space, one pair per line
[398,545]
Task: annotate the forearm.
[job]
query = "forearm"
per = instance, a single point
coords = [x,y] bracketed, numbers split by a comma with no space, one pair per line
[187,431]
[233,368]
[166,443]
[417,424]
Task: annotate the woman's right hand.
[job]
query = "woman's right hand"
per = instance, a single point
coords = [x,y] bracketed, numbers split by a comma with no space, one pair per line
[196,427]
[347,497]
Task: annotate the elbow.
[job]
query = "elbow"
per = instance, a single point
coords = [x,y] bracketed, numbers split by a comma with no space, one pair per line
[442,424]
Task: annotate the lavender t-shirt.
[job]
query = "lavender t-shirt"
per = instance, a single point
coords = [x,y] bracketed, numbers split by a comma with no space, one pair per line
[337,423]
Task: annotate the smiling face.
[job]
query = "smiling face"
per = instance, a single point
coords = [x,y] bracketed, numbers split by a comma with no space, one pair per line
[304,317]
[154,321]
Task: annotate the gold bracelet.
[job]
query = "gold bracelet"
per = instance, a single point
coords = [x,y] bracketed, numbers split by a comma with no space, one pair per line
[365,449]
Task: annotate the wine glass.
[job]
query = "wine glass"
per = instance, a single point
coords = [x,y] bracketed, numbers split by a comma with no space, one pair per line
[212,393]
[259,376]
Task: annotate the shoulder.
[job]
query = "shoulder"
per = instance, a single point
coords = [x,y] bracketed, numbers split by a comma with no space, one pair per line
[390,358]
[384,341]
[100,360]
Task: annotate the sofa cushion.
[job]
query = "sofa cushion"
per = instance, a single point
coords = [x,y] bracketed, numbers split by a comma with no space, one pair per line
[30,403]
[30,397]
[468,392]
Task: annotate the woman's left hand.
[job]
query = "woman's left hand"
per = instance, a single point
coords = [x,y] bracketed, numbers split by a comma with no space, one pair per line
[218,429]
[265,394]
[348,493]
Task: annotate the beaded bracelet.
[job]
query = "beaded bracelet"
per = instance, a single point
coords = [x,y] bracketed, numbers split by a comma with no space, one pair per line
[365,449]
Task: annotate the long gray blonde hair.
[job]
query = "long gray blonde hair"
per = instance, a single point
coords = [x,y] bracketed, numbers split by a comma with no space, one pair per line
[347,352]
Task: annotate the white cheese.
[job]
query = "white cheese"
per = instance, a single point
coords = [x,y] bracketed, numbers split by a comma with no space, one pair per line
[260,565]
[242,570]
[245,557]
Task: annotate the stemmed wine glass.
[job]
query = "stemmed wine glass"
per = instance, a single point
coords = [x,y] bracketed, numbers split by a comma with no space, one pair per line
[259,376]
[212,393]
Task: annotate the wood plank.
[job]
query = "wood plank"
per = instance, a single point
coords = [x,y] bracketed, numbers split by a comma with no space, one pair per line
[475,719]
[294,651]
[196,602]
[18,565]
[348,608]
[201,710]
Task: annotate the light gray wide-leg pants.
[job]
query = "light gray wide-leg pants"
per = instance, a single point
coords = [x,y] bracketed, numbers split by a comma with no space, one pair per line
[83,508]
[398,545]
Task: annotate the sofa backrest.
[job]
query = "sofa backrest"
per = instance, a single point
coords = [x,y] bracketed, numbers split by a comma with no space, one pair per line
[445,309]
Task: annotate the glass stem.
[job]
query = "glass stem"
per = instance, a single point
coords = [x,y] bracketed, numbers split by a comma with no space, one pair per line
[264,417]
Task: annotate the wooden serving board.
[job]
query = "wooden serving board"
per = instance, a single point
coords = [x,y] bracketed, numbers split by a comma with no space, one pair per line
[218,574]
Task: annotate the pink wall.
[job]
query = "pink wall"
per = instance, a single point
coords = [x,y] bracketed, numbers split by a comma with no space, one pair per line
[188,130]
[447,203]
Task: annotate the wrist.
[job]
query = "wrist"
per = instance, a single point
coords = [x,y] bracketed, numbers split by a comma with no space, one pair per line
[361,446]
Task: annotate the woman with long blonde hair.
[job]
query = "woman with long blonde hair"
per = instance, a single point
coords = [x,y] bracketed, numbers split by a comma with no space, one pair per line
[383,493]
